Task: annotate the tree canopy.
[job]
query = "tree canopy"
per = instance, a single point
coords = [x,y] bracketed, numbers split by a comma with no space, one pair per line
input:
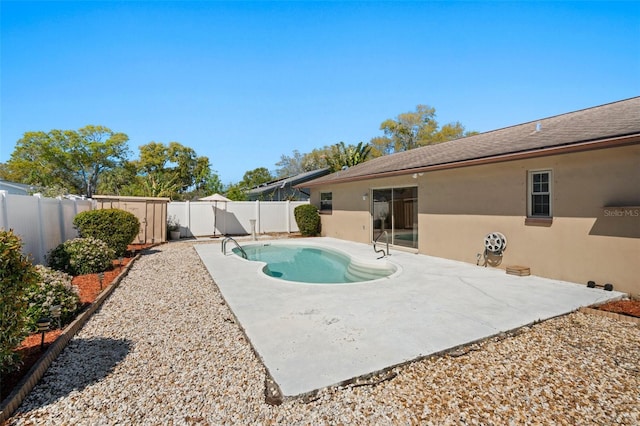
[342,155]
[335,157]
[291,165]
[413,129]
[171,170]
[73,160]
[95,159]
[251,179]
[255,177]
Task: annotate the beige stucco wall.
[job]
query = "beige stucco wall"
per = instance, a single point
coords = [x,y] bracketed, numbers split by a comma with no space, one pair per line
[458,207]
[351,217]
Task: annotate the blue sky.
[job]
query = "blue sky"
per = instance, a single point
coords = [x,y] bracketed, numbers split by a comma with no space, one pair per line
[246,82]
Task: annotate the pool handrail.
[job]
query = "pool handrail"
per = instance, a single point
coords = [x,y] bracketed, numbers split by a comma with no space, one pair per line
[224,247]
[386,234]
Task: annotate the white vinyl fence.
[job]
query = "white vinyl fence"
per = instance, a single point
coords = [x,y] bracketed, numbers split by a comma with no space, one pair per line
[41,223]
[207,218]
[44,223]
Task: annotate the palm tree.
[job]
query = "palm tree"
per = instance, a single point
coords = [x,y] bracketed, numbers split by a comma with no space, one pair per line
[342,155]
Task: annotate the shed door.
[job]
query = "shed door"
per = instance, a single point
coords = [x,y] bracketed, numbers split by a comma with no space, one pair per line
[138,208]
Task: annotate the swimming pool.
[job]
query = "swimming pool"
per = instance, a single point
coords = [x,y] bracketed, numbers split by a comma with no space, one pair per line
[313,264]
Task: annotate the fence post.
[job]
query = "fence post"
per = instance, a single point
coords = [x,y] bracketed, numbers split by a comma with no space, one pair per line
[187,212]
[63,230]
[41,253]
[5,210]
[288,216]
[258,221]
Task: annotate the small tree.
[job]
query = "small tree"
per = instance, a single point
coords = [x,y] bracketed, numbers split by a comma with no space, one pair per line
[17,275]
[308,220]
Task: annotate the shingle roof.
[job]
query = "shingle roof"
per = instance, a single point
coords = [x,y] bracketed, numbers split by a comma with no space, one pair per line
[15,185]
[298,179]
[617,119]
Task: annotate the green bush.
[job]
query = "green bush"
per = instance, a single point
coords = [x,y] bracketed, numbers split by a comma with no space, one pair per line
[81,256]
[115,227]
[308,220]
[53,288]
[17,275]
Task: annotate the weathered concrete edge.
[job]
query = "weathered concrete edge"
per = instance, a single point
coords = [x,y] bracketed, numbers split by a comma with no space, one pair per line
[28,382]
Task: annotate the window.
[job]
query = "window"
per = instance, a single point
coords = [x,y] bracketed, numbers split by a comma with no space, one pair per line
[540,194]
[326,202]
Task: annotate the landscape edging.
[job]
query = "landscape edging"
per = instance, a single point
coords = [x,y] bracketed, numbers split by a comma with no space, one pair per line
[614,315]
[28,382]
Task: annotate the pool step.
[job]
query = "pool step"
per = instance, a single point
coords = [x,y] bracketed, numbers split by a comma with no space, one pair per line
[357,271]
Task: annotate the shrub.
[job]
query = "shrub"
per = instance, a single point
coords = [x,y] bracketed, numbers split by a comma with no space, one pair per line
[173,224]
[81,256]
[16,276]
[53,288]
[308,220]
[115,227]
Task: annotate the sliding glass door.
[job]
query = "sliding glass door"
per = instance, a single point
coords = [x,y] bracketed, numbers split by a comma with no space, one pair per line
[395,210]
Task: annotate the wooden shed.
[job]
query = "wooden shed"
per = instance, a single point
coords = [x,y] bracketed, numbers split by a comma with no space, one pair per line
[150,211]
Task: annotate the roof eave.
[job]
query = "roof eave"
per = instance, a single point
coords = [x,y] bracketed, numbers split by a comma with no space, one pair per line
[612,142]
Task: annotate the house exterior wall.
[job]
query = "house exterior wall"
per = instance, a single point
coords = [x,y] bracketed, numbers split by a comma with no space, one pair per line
[351,217]
[458,207]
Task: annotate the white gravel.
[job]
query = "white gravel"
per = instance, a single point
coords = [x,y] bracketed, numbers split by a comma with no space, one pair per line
[165,349]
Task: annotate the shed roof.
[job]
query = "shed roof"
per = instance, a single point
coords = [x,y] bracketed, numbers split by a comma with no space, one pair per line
[610,124]
[129,198]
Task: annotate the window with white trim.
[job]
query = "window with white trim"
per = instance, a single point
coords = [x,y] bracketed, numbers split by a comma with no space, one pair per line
[326,202]
[540,193]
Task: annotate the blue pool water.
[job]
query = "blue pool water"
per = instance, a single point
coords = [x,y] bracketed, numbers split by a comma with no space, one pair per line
[313,264]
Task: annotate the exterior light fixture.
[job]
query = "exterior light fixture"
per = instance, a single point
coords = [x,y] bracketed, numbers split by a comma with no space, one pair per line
[120,260]
[56,312]
[365,196]
[100,278]
[43,326]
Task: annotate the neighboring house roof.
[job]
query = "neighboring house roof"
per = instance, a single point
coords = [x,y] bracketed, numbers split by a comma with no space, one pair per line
[612,124]
[297,180]
[15,188]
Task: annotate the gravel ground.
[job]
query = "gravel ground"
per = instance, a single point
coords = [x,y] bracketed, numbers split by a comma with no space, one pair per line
[165,349]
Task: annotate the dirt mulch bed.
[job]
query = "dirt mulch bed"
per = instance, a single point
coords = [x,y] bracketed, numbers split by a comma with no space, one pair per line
[624,307]
[90,286]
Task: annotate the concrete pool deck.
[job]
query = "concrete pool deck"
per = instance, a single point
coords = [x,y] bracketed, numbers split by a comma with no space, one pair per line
[311,336]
